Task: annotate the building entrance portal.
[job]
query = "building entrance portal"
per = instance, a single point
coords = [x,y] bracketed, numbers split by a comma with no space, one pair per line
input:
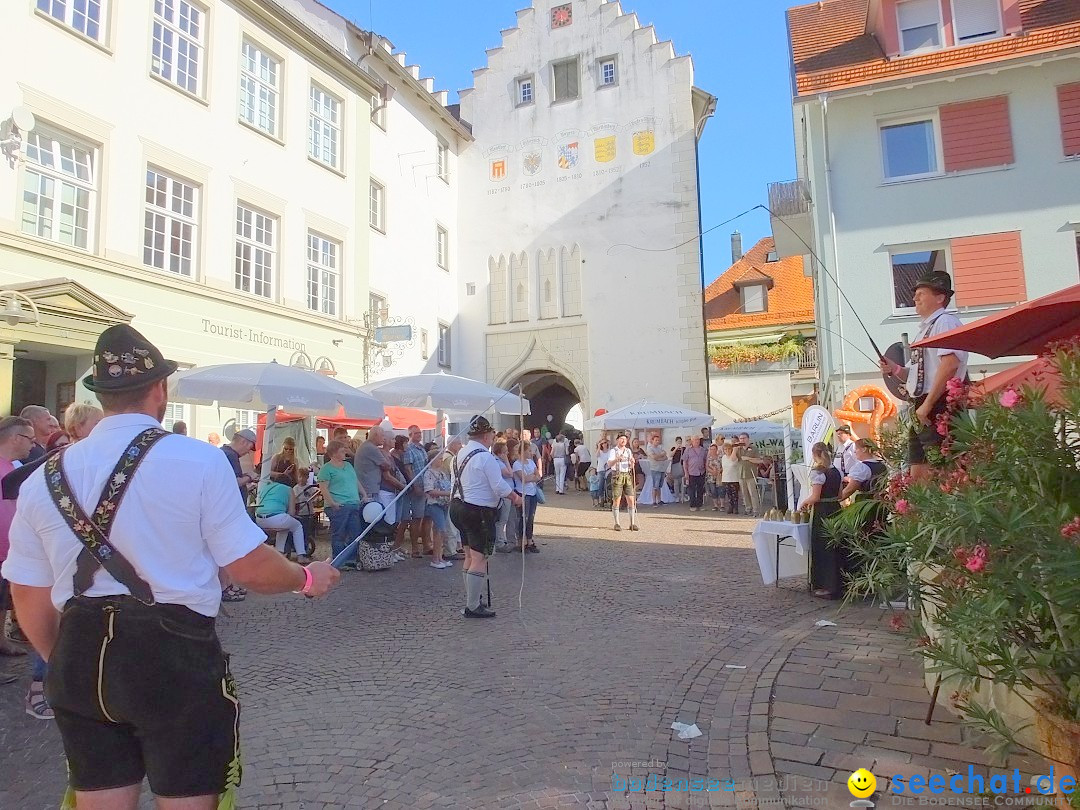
[551,396]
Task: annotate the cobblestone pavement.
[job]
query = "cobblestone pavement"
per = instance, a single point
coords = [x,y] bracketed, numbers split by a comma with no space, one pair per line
[383,696]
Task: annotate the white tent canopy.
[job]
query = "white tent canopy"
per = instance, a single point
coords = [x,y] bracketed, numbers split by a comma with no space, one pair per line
[644,415]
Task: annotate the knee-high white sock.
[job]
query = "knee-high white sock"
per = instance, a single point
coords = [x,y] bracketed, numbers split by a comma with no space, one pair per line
[615,511]
[633,514]
[474,588]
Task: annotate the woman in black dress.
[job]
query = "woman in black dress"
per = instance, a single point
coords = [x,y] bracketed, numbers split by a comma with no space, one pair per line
[826,563]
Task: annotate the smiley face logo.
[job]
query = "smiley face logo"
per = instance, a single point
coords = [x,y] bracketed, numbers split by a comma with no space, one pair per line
[862,784]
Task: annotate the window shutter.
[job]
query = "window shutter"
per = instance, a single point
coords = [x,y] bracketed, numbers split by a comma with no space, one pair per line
[976,134]
[988,269]
[918,13]
[1069,106]
[976,18]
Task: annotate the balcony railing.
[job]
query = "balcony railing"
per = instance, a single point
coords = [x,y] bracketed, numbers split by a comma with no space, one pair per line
[789,198]
[806,358]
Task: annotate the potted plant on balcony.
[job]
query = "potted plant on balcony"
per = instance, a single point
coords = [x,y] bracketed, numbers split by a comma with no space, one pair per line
[992,543]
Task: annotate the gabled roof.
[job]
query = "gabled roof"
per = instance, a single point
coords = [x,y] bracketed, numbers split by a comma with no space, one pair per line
[791,298]
[831,47]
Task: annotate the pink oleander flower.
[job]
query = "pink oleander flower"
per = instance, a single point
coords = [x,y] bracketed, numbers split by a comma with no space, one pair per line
[897,622]
[1072,528]
[976,562]
[902,506]
[1009,398]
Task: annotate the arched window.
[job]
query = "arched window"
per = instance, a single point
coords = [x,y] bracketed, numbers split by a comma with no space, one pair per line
[547,291]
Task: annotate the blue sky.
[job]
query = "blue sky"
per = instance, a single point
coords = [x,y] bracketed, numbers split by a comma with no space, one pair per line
[740,56]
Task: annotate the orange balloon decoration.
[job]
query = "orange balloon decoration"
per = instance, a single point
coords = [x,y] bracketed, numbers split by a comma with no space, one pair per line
[884,408]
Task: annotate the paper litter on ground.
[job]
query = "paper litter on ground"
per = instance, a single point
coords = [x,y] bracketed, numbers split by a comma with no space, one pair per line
[734,666]
[824,623]
[686,732]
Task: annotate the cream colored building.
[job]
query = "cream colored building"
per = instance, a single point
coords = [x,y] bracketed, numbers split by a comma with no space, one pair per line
[198,169]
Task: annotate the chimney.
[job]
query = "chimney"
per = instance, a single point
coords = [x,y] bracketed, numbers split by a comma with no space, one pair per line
[736,247]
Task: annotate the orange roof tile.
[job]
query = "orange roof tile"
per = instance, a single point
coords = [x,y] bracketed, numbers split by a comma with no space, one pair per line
[831,47]
[791,300]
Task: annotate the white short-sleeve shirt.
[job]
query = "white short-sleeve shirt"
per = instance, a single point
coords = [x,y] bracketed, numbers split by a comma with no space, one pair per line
[178,523]
[938,322]
[860,473]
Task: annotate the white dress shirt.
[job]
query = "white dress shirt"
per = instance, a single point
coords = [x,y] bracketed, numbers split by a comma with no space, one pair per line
[179,521]
[482,482]
[936,323]
[845,459]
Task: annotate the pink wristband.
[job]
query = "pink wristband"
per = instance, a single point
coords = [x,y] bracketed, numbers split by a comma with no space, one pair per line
[307,582]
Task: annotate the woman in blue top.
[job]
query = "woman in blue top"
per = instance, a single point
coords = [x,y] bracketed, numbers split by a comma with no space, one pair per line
[275,507]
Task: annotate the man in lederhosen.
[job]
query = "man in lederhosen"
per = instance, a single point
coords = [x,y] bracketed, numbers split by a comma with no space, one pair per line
[478,487]
[115,551]
[924,378]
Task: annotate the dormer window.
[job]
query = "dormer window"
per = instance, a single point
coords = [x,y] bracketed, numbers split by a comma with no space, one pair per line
[976,20]
[771,257]
[919,22]
[755,298]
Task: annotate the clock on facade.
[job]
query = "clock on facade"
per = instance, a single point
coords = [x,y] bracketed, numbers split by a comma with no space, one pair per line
[562,16]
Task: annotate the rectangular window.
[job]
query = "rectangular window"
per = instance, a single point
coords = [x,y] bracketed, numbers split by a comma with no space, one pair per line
[525,90]
[378,310]
[975,20]
[256,251]
[324,128]
[260,80]
[1069,110]
[442,159]
[323,261]
[442,247]
[170,223]
[85,16]
[754,299]
[376,206]
[608,74]
[174,412]
[179,42]
[565,77]
[59,187]
[245,420]
[920,25]
[443,356]
[909,149]
[907,269]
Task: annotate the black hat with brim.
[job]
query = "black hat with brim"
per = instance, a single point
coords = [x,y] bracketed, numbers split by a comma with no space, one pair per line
[125,361]
[938,281]
[480,426]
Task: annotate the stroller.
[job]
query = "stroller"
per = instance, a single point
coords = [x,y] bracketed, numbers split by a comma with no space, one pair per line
[309,505]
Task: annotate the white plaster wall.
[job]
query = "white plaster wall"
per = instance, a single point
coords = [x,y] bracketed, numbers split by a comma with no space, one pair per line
[1039,196]
[744,396]
[641,310]
[403,259]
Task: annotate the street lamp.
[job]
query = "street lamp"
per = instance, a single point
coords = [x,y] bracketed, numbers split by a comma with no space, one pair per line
[13,313]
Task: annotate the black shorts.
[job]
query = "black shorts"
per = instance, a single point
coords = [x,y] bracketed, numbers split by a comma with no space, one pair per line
[144,691]
[583,468]
[923,437]
[476,524]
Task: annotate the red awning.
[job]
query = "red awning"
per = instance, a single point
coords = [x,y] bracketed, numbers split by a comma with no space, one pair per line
[1024,329]
[1040,374]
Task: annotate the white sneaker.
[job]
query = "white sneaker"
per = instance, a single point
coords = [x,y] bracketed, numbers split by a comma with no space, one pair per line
[447,564]
[438,564]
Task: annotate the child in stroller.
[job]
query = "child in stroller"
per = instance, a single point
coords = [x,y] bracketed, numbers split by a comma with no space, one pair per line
[308,507]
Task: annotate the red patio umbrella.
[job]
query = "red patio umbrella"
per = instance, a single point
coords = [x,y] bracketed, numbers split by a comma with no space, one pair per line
[1040,374]
[1024,329]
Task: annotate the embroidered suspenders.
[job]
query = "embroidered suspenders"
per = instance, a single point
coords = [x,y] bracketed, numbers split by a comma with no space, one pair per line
[458,492]
[93,532]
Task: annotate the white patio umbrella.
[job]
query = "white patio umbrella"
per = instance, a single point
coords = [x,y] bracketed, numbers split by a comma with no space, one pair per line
[268,386]
[448,393]
[643,415]
[758,430]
